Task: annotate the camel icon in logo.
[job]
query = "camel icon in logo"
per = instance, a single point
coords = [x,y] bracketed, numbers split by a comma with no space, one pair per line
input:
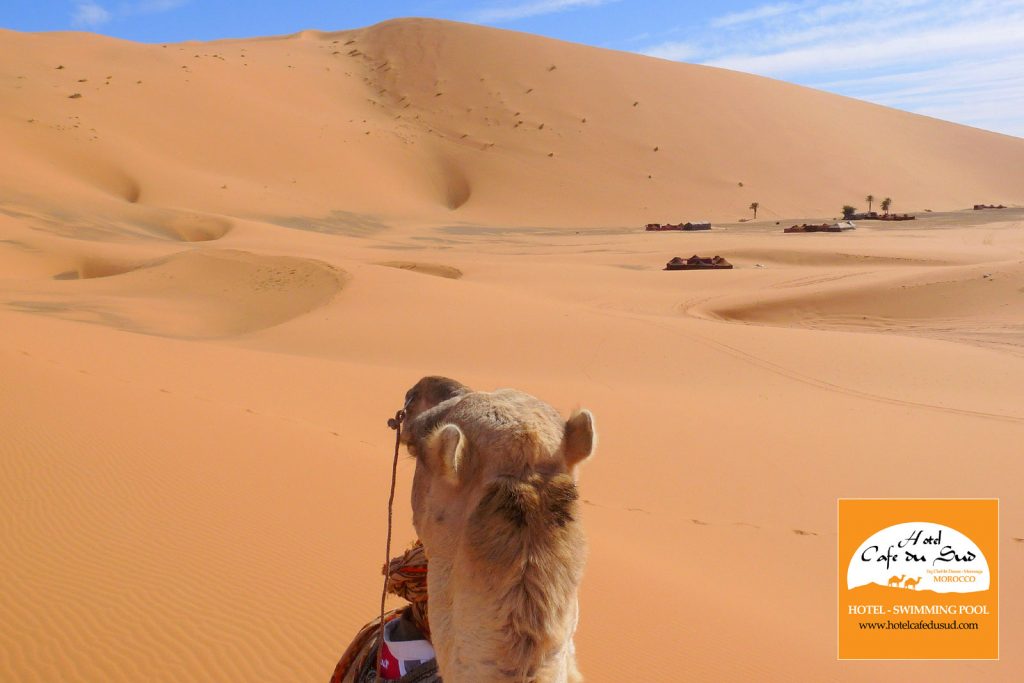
[907,582]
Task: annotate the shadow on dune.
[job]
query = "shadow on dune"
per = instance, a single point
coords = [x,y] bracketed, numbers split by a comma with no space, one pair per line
[335,223]
[123,223]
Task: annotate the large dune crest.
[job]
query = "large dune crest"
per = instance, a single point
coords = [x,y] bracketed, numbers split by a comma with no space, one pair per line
[444,122]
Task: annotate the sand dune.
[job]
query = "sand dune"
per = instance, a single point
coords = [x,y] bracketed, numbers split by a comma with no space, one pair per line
[970,302]
[224,263]
[428,121]
[208,293]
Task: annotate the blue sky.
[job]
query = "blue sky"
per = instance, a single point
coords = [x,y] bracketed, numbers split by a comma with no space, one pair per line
[961,60]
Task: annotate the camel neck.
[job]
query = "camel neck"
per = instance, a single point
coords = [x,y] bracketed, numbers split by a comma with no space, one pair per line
[497,626]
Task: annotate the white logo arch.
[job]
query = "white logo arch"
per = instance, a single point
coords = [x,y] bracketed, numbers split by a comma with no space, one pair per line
[920,556]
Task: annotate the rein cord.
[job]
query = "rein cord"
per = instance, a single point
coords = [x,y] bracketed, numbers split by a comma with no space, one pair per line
[396,424]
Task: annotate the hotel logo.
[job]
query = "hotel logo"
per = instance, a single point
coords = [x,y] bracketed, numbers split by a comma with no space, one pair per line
[918,579]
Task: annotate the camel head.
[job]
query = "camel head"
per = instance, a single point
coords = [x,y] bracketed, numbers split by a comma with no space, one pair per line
[429,392]
[425,397]
[494,501]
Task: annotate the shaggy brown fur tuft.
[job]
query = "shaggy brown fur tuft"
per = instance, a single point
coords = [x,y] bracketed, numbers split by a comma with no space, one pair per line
[524,531]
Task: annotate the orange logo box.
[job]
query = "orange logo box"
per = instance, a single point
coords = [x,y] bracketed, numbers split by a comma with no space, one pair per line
[918,578]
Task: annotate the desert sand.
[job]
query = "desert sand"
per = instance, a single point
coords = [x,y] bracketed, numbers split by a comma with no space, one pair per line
[222,265]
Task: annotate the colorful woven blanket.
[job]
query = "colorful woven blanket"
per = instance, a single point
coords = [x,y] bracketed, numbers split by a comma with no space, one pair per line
[407,578]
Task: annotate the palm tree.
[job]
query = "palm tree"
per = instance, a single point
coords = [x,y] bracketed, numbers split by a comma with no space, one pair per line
[754,206]
[848,211]
[869,199]
[886,203]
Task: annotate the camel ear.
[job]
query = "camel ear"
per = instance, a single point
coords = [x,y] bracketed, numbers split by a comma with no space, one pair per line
[445,450]
[580,437]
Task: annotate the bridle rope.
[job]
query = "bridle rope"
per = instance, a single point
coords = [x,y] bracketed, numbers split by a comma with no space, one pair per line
[396,424]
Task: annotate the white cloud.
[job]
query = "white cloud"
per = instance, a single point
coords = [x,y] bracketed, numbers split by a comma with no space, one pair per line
[755,14]
[89,14]
[961,60]
[535,8]
[153,6]
[676,51]
[984,93]
[880,51]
